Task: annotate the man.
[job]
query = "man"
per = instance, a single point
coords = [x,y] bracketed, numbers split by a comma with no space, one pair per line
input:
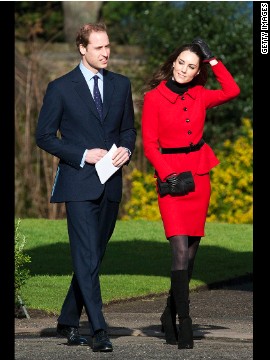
[79,128]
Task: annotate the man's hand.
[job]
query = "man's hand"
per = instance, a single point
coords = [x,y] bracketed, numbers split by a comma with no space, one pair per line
[94,155]
[120,157]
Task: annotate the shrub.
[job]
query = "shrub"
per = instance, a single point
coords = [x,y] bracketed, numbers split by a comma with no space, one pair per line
[232,180]
[21,259]
[143,201]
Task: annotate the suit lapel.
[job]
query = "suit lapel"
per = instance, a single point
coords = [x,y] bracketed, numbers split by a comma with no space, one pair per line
[108,90]
[82,89]
[85,94]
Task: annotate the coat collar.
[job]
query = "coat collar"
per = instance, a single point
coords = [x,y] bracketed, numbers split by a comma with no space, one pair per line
[172,96]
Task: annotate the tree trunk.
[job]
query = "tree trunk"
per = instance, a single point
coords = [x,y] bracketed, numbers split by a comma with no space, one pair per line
[77,13]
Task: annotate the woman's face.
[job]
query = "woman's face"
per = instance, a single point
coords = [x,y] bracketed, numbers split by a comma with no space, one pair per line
[186,67]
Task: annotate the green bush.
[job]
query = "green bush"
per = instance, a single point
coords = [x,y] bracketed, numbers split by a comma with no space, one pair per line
[232,180]
[143,201]
[232,185]
[21,259]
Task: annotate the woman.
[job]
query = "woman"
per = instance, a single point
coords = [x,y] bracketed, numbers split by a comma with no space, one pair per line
[173,117]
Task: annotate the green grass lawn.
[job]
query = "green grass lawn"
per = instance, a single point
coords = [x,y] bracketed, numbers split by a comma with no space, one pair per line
[137,261]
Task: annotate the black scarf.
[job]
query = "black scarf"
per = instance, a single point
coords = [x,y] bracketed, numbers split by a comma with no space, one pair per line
[177,87]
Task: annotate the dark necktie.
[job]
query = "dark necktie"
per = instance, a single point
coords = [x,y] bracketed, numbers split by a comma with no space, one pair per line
[97,96]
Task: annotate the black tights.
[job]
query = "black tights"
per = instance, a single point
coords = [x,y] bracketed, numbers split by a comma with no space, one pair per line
[184,249]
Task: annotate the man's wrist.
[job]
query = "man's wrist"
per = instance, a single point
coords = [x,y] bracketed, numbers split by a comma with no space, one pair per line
[128,151]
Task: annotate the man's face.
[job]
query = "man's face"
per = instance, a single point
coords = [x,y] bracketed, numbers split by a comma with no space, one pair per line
[96,54]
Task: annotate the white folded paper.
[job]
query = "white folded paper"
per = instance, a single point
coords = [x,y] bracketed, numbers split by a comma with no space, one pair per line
[104,166]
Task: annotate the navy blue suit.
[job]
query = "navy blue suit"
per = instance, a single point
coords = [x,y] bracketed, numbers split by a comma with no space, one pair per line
[91,207]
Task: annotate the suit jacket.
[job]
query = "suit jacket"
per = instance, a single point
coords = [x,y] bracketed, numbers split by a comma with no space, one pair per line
[69,123]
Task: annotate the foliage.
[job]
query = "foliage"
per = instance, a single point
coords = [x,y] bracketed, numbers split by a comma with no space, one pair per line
[21,259]
[232,180]
[41,19]
[143,200]
[231,199]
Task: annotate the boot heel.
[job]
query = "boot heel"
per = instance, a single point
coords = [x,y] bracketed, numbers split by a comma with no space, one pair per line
[185,337]
[168,327]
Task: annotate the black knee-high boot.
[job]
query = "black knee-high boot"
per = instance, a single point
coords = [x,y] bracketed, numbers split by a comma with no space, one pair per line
[168,321]
[168,317]
[180,291]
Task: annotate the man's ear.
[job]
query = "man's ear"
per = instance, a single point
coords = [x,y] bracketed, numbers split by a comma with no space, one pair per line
[82,49]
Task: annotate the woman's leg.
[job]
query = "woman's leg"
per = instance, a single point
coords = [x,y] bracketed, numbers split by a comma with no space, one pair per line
[180,289]
[193,245]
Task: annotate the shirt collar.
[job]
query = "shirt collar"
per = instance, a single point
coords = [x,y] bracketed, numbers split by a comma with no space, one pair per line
[88,74]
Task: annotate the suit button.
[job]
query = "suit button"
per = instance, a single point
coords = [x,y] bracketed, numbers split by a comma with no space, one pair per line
[185,108]
[187,120]
[189,132]
[182,98]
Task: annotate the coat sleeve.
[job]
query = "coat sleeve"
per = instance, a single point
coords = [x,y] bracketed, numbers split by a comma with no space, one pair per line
[49,121]
[229,88]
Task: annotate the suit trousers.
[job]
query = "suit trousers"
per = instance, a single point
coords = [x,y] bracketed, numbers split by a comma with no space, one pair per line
[90,226]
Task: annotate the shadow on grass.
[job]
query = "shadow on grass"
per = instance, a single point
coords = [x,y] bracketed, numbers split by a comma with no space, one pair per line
[141,257]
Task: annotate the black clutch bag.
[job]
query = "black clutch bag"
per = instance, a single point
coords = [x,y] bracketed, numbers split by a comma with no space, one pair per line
[178,185]
[163,187]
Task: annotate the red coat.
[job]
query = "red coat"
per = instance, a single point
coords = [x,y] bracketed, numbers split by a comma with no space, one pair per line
[172,120]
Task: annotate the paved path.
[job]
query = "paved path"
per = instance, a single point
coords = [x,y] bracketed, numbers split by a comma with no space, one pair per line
[222,328]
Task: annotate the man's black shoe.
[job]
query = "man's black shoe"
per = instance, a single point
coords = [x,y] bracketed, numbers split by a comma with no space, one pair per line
[101,342]
[72,335]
